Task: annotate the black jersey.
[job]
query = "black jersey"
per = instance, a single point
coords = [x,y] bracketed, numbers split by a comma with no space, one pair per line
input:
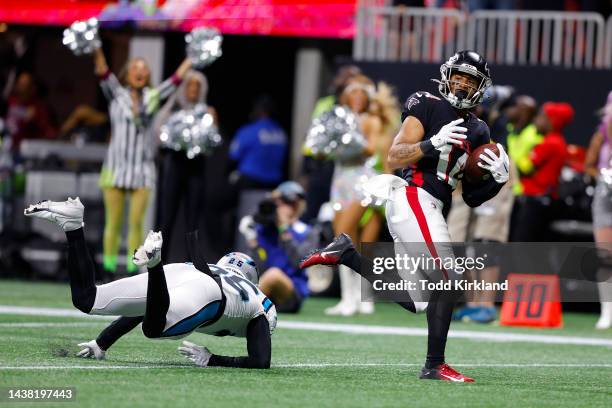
[439,171]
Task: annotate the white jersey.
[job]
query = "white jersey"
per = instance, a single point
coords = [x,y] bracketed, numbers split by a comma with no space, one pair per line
[195,301]
[244,302]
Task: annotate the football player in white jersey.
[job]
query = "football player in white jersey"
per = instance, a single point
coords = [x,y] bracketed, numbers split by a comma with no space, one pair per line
[171,301]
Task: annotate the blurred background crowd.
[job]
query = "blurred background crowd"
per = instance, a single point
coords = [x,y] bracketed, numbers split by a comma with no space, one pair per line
[64,133]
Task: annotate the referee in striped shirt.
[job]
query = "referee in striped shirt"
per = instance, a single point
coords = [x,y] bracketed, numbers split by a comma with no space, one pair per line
[129,169]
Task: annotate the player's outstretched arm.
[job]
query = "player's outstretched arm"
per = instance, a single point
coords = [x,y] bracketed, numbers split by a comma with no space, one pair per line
[97,348]
[259,346]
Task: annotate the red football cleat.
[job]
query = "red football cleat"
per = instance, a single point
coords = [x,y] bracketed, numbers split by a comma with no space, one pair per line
[331,254]
[443,372]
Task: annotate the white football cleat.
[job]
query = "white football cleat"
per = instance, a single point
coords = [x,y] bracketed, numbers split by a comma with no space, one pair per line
[343,308]
[605,319]
[366,308]
[149,253]
[67,214]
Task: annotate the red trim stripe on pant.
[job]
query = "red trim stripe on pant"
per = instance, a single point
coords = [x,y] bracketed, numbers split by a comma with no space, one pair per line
[412,194]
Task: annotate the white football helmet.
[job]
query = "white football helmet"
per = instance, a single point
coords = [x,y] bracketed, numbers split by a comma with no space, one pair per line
[241,264]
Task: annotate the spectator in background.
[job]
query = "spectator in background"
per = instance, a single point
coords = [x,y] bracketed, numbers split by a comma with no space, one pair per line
[318,173]
[539,173]
[278,241]
[259,150]
[28,115]
[522,134]
[598,158]
[182,178]
[85,124]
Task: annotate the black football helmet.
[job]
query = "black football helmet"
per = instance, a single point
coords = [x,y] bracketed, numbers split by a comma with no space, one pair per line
[469,63]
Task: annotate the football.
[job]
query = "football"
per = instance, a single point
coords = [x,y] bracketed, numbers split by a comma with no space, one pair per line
[472,172]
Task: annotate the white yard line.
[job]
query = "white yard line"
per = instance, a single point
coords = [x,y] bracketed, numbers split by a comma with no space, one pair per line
[92,367]
[47,311]
[57,324]
[461,334]
[357,329]
[303,365]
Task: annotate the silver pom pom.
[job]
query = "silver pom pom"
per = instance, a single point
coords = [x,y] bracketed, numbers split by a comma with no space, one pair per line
[203,46]
[82,37]
[335,135]
[606,176]
[192,131]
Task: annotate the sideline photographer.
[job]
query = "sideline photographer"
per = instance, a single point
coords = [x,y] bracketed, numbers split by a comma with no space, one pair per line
[278,241]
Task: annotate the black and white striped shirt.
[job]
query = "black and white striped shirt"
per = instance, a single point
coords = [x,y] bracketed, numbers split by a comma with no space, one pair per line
[129,161]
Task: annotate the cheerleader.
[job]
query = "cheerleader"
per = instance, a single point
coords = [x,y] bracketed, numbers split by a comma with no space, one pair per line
[378,118]
[598,158]
[128,171]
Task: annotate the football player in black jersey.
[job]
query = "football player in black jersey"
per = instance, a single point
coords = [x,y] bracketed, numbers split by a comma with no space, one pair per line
[437,135]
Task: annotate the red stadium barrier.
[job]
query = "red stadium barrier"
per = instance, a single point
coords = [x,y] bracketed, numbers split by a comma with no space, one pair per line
[532,300]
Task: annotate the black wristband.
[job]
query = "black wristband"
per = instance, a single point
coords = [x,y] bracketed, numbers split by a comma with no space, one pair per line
[426,146]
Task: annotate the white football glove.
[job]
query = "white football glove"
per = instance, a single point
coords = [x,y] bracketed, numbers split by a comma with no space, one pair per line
[149,253]
[498,166]
[449,134]
[91,350]
[247,228]
[198,354]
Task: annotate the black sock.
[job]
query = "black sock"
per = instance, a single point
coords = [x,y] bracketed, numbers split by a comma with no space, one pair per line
[439,315]
[82,271]
[363,266]
[158,302]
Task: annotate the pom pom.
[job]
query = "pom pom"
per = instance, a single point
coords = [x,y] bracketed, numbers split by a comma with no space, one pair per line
[192,131]
[82,37]
[203,46]
[335,135]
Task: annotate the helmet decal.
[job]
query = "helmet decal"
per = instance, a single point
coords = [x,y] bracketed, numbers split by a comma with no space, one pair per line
[241,264]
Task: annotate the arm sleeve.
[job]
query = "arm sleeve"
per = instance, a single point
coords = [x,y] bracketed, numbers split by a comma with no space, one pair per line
[540,154]
[476,194]
[110,85]
[116,330]
[259,346]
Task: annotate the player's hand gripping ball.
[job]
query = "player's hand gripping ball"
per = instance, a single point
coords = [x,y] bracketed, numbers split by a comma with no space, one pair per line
[489,160]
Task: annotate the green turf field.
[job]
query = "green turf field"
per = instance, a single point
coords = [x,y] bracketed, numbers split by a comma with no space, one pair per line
[311,367]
